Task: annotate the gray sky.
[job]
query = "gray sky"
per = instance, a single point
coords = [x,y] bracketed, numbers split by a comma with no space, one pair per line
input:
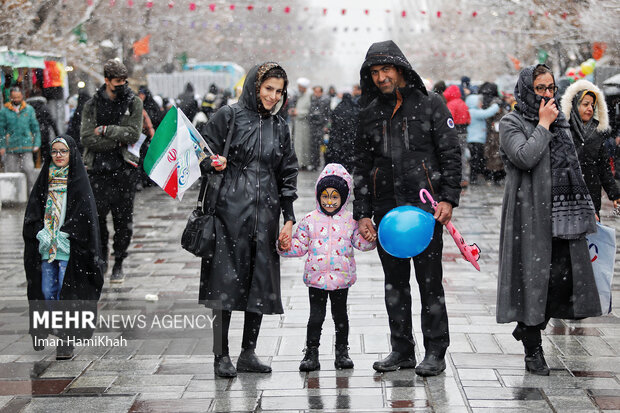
[351,45]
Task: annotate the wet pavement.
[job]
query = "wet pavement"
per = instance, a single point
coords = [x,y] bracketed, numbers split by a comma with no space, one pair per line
[174,372]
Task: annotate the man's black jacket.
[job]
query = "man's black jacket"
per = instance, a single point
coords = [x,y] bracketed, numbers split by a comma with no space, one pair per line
[399,153]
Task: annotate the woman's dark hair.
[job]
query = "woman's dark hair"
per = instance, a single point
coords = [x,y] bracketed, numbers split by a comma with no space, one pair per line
[541,70]
[276,72]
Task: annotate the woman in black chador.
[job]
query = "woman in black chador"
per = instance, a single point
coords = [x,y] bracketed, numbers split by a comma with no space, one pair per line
[259,183]
[61,235]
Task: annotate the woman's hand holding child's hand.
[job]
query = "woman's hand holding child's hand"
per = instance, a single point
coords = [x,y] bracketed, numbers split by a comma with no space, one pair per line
[286,236]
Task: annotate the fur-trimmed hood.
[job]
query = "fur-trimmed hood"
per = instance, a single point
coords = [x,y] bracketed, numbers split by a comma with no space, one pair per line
[600,111]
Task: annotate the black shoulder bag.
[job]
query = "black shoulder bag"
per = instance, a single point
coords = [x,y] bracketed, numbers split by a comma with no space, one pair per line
[199,233]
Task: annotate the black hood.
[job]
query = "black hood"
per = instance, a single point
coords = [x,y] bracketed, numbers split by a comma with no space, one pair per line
[249,98]
[386,53]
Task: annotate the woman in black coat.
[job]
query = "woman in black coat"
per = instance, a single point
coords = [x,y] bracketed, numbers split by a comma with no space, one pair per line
[78,223]
[342,133]
[585,108]
[259,183]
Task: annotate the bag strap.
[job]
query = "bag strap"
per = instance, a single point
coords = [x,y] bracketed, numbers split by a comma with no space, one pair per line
[205,180]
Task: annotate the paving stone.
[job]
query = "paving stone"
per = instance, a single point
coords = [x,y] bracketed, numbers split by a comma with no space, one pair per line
[114,404]
[166,406]
[344,402]
[561,382]
[69,368]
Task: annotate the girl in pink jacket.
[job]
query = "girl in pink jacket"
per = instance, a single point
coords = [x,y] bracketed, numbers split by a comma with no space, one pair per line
[328,235]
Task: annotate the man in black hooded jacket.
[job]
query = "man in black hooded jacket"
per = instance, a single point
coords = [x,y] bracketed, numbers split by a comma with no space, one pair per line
[406,141]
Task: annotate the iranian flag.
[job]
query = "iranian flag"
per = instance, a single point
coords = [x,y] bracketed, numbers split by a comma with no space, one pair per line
[175,153]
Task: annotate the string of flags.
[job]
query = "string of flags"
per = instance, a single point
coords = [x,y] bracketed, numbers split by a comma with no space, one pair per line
[212,7]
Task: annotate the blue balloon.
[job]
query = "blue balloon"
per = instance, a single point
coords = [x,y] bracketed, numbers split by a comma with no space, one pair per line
[406,231]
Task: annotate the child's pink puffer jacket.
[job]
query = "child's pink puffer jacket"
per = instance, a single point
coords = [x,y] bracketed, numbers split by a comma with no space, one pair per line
[329,242]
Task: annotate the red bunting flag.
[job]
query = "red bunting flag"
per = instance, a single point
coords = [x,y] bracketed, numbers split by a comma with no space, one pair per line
[474,14]
[149,4]
[438,14]
[344,11]
[130,3]
[192,7]
[324,12]
[141,47]
[170,4]
[269,8]
[212,7]
[250,7]
[366,12]
[403,13]
[232,7]
[287,9]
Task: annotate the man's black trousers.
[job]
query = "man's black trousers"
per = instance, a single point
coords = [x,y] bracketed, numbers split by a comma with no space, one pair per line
[434,316]
[115,192]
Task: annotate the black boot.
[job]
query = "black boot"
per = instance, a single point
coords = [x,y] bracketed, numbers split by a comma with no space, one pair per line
[535,361]
[310,361]
[248,362]
[343,361]
[432,365]
[223,367]
[118,276]
[395,361]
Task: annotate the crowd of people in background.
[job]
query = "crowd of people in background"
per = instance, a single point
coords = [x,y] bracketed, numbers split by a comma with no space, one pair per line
[323,124]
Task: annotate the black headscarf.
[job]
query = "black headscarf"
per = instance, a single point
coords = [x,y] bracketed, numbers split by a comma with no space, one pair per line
[572,210]
[489,94]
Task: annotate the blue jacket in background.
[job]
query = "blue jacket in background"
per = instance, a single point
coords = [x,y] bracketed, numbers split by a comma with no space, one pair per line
[477,129]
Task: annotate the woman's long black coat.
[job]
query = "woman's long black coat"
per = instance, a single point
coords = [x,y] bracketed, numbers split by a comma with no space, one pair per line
[259,181]
[83,278]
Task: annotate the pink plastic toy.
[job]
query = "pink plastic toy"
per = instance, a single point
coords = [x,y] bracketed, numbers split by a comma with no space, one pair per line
[470,252]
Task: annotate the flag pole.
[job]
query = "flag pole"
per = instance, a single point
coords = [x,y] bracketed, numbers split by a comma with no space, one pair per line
[196,136]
